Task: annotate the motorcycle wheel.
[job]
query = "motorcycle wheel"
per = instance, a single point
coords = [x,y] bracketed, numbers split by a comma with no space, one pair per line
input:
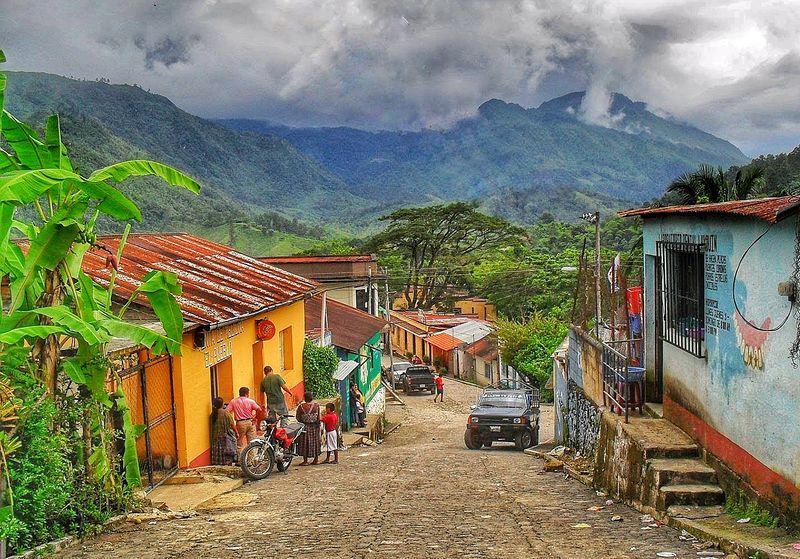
[257,460]
[284,464]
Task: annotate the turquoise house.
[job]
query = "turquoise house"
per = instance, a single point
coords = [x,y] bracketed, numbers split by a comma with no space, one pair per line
[356,336]
[721,335]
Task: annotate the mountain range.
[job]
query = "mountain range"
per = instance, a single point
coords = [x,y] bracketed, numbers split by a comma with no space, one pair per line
[517,162]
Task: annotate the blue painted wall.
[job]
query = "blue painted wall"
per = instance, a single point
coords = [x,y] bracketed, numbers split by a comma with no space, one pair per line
[746,387]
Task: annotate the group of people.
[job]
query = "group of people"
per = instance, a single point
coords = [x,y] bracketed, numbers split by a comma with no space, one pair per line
[234,426]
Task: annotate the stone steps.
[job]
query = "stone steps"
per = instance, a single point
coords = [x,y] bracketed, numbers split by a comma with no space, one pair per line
[696,494]
[679,471]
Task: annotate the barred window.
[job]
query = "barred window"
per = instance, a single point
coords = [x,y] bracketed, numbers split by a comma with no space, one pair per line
[680,291]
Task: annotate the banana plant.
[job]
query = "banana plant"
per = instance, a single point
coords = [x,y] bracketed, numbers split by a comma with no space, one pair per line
[46,299]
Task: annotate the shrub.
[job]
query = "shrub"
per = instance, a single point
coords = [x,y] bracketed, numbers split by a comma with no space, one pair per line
[437,362]
[426,359]
[319,364]
[529,346]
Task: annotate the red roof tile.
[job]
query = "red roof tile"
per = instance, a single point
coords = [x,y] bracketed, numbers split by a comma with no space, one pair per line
[445,342]
[768,209]
[219,283]
[316,259]
[350,328]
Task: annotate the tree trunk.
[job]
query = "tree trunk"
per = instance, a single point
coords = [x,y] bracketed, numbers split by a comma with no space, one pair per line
[46,351]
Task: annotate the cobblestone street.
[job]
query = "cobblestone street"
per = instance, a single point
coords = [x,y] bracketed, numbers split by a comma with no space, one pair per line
[421,494]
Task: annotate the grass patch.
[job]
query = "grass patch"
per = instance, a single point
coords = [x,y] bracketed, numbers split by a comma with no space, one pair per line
[742,507]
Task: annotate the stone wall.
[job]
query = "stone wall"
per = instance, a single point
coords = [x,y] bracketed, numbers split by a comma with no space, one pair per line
[582,420]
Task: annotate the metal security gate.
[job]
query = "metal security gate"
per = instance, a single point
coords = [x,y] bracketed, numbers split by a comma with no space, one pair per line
[150,393]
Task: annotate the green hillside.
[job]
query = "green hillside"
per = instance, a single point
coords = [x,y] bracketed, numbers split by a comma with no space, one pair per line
[508,152]
[241,172]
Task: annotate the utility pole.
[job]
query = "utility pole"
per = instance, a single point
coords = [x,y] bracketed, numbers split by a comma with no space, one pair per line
[595,218]
[389,337]
[369,291]
[323,318]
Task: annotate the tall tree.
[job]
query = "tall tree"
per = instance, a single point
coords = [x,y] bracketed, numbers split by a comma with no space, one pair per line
[438,245]
[710,185]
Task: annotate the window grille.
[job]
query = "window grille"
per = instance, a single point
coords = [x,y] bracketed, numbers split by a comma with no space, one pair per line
[681,293]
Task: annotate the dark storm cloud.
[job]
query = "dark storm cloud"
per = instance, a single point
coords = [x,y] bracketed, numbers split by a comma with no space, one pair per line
[167,51]
[728,67]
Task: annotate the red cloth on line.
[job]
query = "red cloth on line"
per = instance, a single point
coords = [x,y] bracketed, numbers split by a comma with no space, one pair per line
[331,420]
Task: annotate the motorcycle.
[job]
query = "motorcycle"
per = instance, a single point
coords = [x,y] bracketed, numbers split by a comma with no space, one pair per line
[277,448]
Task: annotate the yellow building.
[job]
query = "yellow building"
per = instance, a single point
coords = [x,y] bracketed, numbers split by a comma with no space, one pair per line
[240,314]
[478,306]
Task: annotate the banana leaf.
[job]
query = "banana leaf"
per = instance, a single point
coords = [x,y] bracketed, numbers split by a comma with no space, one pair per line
[55,147]
[61,315]
[119,172]
[25,142]
[18,334]
[23,187]
[112,201]
[130,459]
[46,251]
[159,343]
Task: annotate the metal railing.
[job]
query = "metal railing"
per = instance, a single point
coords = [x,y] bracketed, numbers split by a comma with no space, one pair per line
[619,377]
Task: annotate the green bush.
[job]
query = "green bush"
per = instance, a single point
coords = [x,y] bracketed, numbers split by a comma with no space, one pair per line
[529,346]
[319,364]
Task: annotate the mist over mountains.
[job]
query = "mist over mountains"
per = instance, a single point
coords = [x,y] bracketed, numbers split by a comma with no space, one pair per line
[516,162]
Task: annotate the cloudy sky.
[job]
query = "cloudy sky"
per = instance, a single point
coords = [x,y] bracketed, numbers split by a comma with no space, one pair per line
[730,67]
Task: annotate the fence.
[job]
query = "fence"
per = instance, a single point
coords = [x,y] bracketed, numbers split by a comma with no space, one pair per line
[623,384]
[150,394]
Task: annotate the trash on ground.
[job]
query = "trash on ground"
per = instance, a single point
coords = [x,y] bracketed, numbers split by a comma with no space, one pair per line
[582,525]
[616,518]
[743,520]
[666,554]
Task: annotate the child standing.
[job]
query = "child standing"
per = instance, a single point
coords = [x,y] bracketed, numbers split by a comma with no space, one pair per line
[439,388]
[331,422]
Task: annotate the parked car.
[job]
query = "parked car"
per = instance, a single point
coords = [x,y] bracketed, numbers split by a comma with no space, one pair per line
[418,378]
[398,370]
[504,414]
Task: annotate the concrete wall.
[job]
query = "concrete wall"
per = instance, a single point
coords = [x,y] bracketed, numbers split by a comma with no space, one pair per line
[240,359]
[742,400]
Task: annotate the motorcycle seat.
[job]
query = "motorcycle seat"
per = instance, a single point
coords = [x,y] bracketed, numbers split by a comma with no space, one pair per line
[293,429]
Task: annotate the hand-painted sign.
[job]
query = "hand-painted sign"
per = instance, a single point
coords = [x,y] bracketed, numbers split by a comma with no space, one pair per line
[218,343]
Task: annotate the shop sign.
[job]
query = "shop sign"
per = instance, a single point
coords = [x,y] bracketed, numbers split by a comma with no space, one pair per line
[219,343]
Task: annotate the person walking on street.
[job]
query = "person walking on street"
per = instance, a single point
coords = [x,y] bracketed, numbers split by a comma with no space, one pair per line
[331,422]
[273,386]
[223,435]
[309,415]
[439,388]
[243,409]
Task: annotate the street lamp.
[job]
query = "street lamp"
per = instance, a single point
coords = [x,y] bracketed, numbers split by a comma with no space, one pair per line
[595,219]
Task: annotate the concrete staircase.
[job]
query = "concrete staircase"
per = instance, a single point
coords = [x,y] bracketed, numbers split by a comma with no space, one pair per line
[673,477]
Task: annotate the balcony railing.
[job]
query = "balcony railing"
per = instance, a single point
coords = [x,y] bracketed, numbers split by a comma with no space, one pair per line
[623,380]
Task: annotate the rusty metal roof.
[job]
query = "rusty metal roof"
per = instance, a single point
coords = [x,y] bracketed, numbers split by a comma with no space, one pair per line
[219,283]
[486,348]
[318,259]
[443,341]
[350,328]
[768,209]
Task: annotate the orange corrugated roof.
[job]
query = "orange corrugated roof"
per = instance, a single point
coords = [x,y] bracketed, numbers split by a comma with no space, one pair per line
[219,283]
[350,328]
[445,342]
[768,209]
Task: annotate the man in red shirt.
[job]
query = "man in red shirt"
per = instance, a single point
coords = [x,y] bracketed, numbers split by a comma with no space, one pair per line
[439,387]
[331,422]
[243,409]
